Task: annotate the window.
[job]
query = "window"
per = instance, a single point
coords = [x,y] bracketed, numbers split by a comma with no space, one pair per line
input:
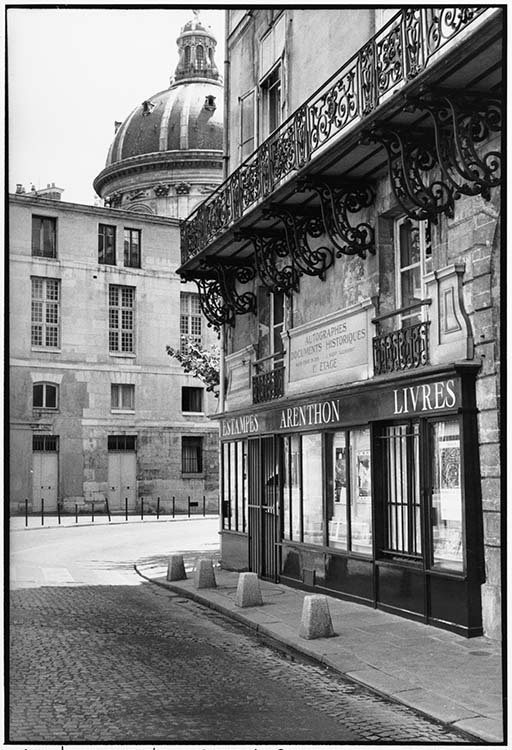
[200,57]
[234,485]
[44,396]
[446,511]
[192,455]
[246,125]
[121,317]
[192,399]
[106,244]
[45,443]
[132,248]
[122,397]
[414,261]
[190,319]
[121,443]
[271,102]
[349,501]
[44,236]
[292,517]
[312,512]
[45,312]
[271,322]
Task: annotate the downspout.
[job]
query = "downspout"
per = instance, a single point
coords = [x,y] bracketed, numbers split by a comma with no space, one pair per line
[225,172]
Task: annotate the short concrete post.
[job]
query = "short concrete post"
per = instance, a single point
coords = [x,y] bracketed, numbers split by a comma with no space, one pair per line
[204,577]
[316,619]
[248,592]
[176,568]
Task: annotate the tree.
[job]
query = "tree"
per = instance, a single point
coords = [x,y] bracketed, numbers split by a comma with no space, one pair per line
[201,363]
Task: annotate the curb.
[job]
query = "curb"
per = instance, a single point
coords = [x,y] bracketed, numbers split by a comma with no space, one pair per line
[282,644]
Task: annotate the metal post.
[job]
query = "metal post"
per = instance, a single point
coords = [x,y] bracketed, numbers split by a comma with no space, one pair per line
[92,512]
[189,506]
[158,508]
[142,509]
[126,509]
[76,512]
[204,506]
[173,508]
[42,511]
[58,512]
[26,512]
[108,510]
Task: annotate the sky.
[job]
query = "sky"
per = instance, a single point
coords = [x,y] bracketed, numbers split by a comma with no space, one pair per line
[72,73]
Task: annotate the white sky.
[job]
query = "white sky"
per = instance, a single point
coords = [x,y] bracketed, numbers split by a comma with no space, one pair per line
[72,72]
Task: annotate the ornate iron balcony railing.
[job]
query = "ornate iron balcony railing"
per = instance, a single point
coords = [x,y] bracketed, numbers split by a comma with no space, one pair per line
[404,349]
[401,50]
[267,386]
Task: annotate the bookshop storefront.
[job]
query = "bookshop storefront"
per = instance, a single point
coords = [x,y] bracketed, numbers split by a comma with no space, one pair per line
[369,492]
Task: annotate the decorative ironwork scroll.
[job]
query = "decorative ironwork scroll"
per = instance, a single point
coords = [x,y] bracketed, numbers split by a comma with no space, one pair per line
[411,161]
[337,201]
[404,349]
[267,386]
[461,123]
[300,225]
[270,251]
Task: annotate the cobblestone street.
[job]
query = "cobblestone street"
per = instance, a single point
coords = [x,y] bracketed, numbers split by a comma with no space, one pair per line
[134,663]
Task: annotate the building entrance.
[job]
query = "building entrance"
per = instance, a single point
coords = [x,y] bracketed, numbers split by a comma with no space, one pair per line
[122,472]
[263,506]
[45,472]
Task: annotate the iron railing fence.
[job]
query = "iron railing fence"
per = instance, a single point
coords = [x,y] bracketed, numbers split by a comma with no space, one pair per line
[145,507]
[404,349]
[267,386]
[396,54]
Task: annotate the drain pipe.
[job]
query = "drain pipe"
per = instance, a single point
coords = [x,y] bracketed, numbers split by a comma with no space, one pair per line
[225,172]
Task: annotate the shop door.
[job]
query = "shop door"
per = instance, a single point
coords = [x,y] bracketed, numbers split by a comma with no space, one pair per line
[264,488]
[122,481]
[45,480]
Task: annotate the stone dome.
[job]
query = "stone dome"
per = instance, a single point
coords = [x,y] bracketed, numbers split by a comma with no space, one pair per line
[171,144]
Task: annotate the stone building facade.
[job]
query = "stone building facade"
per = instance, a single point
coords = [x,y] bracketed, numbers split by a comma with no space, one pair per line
[352,261]
[98,410]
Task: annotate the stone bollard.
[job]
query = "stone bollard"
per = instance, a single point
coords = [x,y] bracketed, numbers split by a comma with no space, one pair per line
[176,568]
[248,592]
[204,577]
[316,619]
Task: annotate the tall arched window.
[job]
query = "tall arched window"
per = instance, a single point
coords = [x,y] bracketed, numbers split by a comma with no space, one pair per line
[200,56]
[187,55]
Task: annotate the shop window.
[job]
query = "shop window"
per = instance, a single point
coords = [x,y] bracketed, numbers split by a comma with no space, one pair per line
[292,527]
[45,396]
[312,483]
[191,455]
[414,261]
[132,248]
[122,397]
[191,323]
[349,501]
[107,244]
[446,511]
[44,236]
[121,319]
[45,329]
[192,399]
[234,486]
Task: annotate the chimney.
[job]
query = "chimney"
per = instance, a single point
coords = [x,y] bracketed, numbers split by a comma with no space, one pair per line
[50,192]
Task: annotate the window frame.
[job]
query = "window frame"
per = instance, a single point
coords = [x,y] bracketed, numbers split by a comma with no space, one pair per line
[103,254]
[243,150]
[197,442]
[119,330]
[128,246]
[190,318]
[197,392]
[425,259]
[52,220]
[45,386]
[47,306]
[271,100]
[120,389]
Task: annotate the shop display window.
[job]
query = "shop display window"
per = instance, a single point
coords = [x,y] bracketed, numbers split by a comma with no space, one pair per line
[446,510]
[291,488]
[338,509]
[312,483]
[234,486]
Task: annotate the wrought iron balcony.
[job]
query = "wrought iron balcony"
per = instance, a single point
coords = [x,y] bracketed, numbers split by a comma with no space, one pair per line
[405,47]
[269,384]
[406,348]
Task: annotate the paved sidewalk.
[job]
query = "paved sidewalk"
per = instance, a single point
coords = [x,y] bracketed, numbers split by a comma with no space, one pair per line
[450,678]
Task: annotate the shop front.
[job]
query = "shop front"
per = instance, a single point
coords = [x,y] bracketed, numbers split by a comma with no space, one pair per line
[370,492]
